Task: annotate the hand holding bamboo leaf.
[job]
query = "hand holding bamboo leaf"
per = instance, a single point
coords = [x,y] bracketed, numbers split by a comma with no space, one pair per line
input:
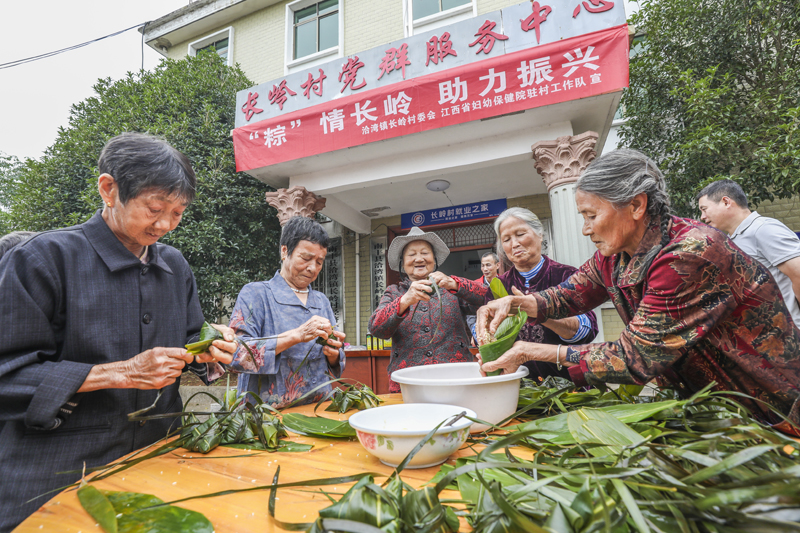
[217,343]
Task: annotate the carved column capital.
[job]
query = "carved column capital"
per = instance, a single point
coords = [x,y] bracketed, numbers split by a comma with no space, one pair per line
[296,201]
[564,160]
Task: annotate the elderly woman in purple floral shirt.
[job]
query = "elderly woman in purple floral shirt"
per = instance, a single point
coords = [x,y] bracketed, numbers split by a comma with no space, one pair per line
[410,316]
[697,310]
[281,320]
[519,240]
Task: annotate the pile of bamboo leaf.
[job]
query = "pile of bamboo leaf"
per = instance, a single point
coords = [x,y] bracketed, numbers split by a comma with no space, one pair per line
[604,461]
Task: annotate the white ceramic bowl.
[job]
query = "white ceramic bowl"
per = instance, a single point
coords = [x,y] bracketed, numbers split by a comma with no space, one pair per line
[391,432]
[493,398]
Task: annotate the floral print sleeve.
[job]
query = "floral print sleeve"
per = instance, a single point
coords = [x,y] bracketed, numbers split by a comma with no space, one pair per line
[697,311]
[247,320]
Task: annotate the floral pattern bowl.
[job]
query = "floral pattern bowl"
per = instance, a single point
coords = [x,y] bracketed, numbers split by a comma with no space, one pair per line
[392,431]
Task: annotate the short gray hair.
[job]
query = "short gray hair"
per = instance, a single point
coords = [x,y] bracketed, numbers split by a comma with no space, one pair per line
[619,176]
[7,242]
[525,215]
[492,255]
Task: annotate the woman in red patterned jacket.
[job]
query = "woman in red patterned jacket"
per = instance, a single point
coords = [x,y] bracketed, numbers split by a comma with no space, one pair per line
[424,329]
[697,309]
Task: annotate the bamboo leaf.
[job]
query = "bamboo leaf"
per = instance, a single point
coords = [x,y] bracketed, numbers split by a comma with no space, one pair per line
[732,461]
[497,288]
[133,512]
[593,426]
[97,505]
[208,334]
[318,426]
[630,504]
[506,335]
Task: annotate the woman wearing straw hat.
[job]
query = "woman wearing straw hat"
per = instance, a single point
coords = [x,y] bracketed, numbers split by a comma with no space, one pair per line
[424,329]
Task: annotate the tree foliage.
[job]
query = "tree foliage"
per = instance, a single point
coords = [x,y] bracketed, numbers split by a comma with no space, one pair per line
[715,93]
[229,234]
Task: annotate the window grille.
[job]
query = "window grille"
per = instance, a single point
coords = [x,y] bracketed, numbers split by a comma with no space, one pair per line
[479,235]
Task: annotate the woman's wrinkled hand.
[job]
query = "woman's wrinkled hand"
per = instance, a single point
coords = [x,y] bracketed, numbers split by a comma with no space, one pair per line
[510,361]
[220,351]
[491,315]
[419,291]
[332,347]
[444,281]
[156,368]
[316,326]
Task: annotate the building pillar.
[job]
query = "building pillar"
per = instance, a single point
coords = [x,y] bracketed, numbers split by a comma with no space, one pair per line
[560,163]
[296,201]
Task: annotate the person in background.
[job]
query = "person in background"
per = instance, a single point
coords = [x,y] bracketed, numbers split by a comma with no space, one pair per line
[424,329]
[519,240]
[490,267]
[291,363]
[10,240]
[95,318]
[697,310]
[723,205]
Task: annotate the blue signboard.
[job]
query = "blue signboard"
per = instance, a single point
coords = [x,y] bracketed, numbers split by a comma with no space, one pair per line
[453,213]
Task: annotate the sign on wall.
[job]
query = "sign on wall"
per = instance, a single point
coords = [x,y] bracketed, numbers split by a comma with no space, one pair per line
[329,281]
[524,26]
[455,213]
[507,61]
[377,266]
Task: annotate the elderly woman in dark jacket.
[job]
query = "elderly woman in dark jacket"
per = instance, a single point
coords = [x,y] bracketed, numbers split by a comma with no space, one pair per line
[408,314]
[95,318]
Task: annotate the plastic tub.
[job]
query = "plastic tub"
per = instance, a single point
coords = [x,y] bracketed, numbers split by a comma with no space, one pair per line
[493,398]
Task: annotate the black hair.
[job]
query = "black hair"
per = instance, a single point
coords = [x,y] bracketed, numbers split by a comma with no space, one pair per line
[303,229]
[716,190]
[139,162]
[7,242]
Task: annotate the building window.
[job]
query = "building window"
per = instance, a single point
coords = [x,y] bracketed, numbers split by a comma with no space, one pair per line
[220,42]
[425,15]
[425,8]
[315,28]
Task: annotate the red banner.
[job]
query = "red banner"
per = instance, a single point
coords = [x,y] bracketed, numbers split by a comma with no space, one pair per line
[580,67]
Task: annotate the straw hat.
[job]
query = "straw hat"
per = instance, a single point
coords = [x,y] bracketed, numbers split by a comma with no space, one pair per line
[440,249]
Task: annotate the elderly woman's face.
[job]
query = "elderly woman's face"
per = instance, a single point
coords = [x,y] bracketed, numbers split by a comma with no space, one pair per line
[612,230]
[418,260]
[521,244]
[303,265]
[143,220]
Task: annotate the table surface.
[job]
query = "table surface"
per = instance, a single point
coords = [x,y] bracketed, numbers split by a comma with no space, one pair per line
[182,474]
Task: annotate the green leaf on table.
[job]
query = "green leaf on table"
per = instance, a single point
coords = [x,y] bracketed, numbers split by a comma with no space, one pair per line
[316,426]
[133,512]
[593,426]
[208,334]
[283,446]
[96,504]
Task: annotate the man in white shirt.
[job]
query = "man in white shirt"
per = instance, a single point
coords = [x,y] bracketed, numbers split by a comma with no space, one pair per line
[723,205]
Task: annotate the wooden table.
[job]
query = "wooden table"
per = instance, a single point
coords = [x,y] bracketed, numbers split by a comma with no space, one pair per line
[183,474]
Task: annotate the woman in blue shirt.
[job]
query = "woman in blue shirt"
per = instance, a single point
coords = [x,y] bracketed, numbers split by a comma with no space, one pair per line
[281,320]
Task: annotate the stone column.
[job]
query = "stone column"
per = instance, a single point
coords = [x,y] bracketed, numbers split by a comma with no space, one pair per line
[296,201]
[560,163]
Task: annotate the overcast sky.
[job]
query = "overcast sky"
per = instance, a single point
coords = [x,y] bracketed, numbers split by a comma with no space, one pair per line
[35,98]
